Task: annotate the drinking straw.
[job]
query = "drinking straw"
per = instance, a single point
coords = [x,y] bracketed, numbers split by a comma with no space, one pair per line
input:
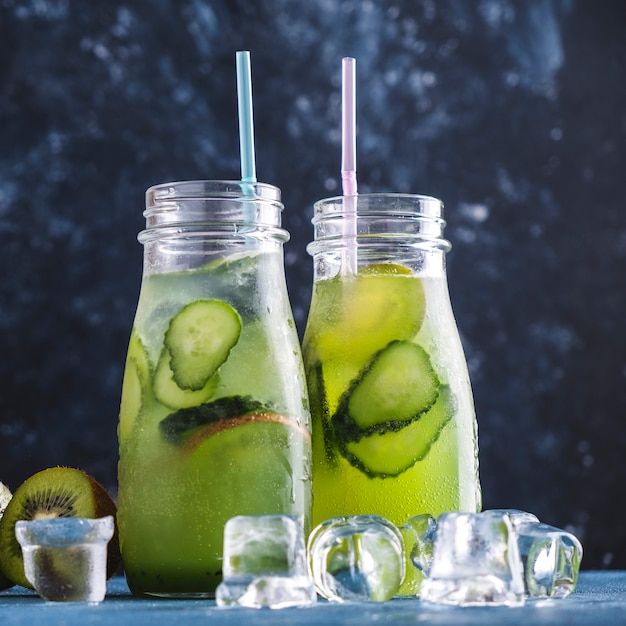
[348,127]
[246,124]
[348,162]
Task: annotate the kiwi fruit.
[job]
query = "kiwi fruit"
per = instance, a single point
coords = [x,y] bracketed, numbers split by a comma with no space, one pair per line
[5,496]
[5,583]
[53,492]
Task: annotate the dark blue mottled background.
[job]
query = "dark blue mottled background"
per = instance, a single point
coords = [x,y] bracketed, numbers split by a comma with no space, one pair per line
[513,112]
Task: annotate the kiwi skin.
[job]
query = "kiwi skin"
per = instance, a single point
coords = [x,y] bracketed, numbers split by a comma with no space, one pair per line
[54,492]
[5,583]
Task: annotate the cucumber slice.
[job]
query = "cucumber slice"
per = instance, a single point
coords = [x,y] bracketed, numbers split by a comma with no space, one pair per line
[319,410]
[393,452]
[199,339]
[135,385]
[169,393]
[177,427]
[398,385]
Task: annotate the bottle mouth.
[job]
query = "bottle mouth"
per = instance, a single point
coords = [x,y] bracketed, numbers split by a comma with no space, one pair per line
[190,189]
[399,220]
[203,207]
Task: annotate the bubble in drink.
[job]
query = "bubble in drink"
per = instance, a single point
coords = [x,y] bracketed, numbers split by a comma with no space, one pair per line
[65,557]
[357,558]
[475,561]
[265,563]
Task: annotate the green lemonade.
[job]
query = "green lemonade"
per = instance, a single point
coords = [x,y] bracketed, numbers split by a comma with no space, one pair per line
[214,421]
[394,429]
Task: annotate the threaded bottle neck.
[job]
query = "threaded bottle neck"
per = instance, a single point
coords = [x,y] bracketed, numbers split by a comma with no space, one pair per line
[213,208]
[385,219]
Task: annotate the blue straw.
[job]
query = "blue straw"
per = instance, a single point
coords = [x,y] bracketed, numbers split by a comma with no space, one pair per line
[246,124]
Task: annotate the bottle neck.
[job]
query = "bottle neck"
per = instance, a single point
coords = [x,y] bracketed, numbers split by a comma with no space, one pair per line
[353,232]
[191,223]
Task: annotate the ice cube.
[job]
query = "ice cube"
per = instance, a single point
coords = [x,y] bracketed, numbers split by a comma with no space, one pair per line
[475,561]
[418,533]
[265,563]
[356,558]
[65,558]
[551,558]
[517,516]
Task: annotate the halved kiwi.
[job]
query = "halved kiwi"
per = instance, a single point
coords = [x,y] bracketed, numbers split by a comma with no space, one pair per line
[53,492]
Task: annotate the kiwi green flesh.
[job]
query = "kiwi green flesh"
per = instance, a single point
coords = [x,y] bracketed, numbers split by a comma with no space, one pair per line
[53,492]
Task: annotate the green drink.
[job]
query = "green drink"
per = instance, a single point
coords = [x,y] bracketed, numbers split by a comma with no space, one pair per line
[394,430]
[214,415]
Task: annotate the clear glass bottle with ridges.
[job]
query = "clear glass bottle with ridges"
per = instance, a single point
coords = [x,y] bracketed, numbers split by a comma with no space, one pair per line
[214,418]
[394,428]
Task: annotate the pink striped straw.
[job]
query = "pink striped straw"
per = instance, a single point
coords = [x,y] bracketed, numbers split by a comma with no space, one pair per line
[348,163]
[348,127]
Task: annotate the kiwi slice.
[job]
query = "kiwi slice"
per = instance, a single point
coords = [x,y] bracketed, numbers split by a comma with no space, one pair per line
[5,497]
[53,492]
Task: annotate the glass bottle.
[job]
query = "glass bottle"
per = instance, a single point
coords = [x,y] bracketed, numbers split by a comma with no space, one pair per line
[394,428]
[214,418]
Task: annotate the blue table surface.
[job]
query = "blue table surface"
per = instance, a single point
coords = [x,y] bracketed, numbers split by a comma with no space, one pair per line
[599,599]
